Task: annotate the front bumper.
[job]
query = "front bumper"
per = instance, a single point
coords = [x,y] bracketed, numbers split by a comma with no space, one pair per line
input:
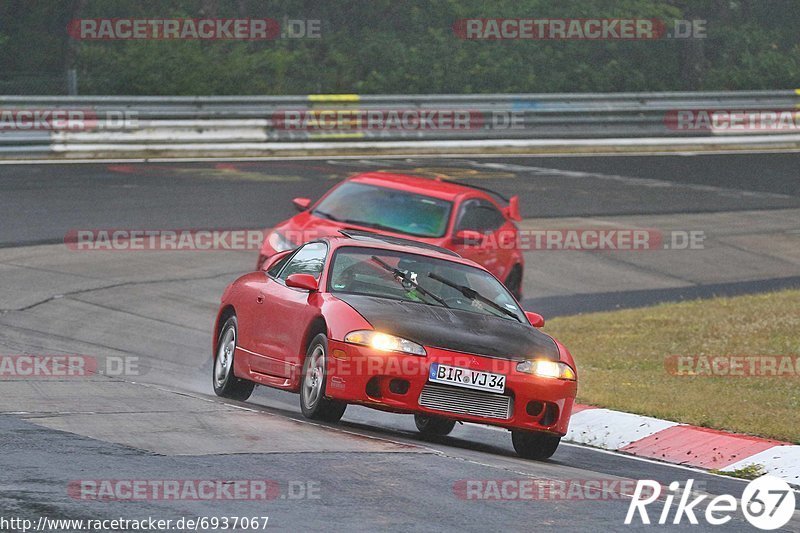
[395,382]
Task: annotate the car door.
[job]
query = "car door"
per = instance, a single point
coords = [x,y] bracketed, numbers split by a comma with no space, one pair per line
[286,312]
[482,216]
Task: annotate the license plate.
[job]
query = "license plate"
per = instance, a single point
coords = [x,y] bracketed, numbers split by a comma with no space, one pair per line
[464,377]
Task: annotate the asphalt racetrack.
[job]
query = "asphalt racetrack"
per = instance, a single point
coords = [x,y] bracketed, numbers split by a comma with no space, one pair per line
[161,421]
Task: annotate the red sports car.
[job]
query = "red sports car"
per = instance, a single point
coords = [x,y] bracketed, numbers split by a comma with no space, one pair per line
[395,325]
[473,221]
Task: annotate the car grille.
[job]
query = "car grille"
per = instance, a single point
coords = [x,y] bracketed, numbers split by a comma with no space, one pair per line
[466,401]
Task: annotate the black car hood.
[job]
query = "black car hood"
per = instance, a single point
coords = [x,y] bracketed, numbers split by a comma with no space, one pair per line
[454,329]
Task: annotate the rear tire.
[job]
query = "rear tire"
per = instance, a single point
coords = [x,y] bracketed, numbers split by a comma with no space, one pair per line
[437,426]
[514,282]
[534,445]
[226,384]
[313,402]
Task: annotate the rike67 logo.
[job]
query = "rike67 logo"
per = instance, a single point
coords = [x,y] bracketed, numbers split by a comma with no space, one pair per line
[767,503]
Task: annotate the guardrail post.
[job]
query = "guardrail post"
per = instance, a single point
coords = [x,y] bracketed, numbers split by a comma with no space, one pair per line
[72,82]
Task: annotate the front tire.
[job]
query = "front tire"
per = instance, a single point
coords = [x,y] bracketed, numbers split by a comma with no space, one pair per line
[313,402]
[434,426]
[226,384]
[534,445]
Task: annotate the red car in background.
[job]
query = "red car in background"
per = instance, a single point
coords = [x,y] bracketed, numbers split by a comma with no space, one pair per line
[474,222]
[399,326]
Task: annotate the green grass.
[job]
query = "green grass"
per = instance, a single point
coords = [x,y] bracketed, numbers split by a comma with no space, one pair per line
[747,472]
[620,357]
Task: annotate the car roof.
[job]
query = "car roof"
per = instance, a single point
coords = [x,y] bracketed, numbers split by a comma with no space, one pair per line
[438,188]
[371,236]
[411,247]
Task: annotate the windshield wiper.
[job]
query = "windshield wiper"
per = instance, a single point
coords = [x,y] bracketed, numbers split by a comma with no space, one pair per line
[472,294]
[372,225]
[323,214]
[403,276]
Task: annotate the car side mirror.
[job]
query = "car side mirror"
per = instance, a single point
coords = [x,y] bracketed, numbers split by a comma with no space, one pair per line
[468,236]
[512,209]
[302,281]
[535,319]
[301,204]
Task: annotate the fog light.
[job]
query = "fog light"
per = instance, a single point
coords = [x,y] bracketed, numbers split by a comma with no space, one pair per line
[534,408]
[399,386]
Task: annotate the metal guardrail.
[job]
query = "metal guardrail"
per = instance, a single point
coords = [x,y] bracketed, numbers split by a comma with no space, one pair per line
[166,124]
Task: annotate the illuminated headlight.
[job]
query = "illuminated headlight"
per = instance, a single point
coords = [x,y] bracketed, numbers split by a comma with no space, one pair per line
[280,243]
[547,369]
[384,342]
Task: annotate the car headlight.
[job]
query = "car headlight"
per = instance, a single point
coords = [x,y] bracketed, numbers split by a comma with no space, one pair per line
[384,342]
[547,369]
[280,243]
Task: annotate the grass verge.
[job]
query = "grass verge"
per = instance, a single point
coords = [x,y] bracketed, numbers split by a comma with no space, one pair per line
[753,471]
[621,361]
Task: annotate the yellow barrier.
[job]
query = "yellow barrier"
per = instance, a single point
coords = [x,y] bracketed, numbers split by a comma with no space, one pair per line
[334,97]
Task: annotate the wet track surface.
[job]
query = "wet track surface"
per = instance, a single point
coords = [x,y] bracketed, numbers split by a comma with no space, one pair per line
[373,472]
[40,203]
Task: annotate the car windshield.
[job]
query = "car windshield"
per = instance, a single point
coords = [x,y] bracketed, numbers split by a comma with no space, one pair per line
[386,209]
[417,278]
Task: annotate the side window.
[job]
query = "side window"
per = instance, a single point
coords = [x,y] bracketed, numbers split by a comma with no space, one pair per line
[276,268]
[479,215]
[307,260]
